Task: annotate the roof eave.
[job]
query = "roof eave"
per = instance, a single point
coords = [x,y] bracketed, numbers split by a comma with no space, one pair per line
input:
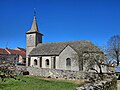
[34,32]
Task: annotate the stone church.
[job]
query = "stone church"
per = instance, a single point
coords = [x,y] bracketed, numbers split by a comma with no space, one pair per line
[56,55]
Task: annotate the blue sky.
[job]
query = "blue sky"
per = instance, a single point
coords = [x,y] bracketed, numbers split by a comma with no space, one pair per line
[59,20]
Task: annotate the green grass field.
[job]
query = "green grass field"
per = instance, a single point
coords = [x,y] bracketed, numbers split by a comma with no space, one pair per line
[37,83]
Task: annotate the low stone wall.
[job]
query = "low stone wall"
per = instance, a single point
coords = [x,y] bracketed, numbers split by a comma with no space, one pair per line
[55,73]
[21,68]
[108,84]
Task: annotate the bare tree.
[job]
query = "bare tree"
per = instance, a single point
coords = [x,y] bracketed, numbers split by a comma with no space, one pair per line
[89,57]
[94,58]
[114,48]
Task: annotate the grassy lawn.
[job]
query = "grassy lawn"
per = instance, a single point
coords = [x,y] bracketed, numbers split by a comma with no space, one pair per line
[37,83]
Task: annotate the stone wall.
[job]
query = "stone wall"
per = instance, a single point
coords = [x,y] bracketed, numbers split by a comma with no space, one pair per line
[108,84]
[54,73]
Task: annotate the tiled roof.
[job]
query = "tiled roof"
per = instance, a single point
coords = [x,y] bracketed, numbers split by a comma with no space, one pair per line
[3,51]
[21,49]
[56,48]
[11,51]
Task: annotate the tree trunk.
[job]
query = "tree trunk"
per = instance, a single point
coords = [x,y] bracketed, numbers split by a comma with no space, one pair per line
[117,60]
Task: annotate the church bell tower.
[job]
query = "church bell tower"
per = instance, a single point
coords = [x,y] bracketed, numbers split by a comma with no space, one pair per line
[33,37]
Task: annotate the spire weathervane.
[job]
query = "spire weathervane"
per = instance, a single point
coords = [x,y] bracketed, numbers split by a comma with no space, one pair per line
[34,12]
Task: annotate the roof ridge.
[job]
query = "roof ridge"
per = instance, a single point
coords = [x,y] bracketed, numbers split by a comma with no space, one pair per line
[65,41]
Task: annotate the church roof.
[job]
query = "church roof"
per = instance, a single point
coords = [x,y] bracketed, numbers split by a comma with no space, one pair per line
[34,28]
[58,47]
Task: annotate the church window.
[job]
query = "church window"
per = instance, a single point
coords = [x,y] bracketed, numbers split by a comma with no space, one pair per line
[68,62]
[40,61]
[28,61]
[54,62]
[35,62]
[47,62]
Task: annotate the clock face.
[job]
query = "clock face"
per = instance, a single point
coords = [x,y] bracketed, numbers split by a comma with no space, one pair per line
[30,37]
[30,40]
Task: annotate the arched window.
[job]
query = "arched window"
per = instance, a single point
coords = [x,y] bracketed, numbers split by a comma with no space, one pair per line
[47,62]
[68,62]
[35,62]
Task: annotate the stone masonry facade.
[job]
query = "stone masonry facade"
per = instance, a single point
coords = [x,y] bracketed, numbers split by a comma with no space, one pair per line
[54,73]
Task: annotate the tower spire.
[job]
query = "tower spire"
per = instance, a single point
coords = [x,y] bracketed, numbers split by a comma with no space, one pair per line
[34,27]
